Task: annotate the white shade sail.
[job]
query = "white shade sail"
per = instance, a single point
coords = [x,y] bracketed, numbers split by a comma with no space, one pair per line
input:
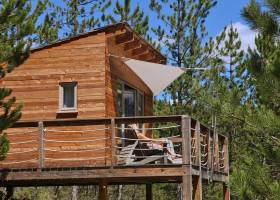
[156,76]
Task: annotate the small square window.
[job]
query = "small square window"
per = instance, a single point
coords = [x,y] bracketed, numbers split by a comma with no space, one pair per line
[68,96]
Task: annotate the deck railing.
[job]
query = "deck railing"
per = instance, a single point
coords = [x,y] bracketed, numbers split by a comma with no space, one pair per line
[105,143]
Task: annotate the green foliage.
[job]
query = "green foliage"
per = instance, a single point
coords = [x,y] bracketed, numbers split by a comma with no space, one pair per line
[136,17]
[181,34]
[17,24]
[79,16]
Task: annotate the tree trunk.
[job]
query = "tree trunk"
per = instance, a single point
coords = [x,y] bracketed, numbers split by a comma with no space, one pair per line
[120,192]
[75,192]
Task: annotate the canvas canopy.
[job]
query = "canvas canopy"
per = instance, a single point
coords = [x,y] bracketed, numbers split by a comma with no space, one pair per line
[156,76]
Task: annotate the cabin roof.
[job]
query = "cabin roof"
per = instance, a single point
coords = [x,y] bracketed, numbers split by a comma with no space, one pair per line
[106,29]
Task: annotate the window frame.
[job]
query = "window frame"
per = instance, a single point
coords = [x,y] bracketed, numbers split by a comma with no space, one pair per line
[61,96]
[123,83]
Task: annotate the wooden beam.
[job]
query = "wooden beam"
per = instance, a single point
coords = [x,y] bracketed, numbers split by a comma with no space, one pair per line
[187,187]
[132,44]
[41,145]
[186,151]
[186,135]
[124,37]
[145,56]
[102,190]
[149,191]
[197,187]
[226,192]
[113,143]
[136,51]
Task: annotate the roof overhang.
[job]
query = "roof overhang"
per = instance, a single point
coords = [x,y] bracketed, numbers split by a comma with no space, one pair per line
[156,76]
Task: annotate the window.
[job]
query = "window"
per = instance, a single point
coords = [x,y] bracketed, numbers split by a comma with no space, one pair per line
[130,102]
[68,96]
[140,104]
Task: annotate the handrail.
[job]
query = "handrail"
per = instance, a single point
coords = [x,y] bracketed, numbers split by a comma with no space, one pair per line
[98,121]
[196,148]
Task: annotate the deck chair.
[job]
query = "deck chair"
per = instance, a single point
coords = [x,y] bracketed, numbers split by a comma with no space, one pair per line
[135,152]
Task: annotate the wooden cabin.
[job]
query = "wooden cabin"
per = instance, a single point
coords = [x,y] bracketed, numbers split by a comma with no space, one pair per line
[78,98]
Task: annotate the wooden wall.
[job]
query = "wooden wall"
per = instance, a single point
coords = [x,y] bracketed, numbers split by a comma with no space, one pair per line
[36,84]
[36,81]
[85,60]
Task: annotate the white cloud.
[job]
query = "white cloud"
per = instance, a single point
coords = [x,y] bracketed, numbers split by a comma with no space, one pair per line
[246,35]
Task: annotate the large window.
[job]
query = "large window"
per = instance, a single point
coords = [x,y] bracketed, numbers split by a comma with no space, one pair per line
[68,96]
[130,101]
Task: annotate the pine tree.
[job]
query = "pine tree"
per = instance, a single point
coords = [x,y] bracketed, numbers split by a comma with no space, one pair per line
[17,24]
[181,33]
[48,30]
[136,18]
[79,16]
[263,63]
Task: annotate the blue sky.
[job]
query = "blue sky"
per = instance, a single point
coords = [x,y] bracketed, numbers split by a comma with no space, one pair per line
[227,12]
[224,13]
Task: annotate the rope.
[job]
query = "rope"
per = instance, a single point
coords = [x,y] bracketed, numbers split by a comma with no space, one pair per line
[204,155]
[73,151]
[150,140]
[158,128]
[140,149]
[78,131]
[75,159]
[18,162]
[25,142]
[204,145]
[222,166]
[204,164]
[80,141]
[12,153]
[140,156]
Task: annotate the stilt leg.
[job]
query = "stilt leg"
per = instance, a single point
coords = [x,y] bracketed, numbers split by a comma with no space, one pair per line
[187,187]
[197,187]
[226,192]
[149,192]
[102,190]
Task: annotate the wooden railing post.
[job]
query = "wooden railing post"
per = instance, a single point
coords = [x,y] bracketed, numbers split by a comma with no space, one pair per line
[216,152]
[113,142]
[41,145]
[197,142]
[197,188]
[186,136]
[186,151]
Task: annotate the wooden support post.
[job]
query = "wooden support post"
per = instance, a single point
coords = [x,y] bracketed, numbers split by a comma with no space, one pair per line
[226,155]
[216,151]
[187,185]
[226,192]
[197,187]
[113,143]
[9,193]
[186,151]
[149,191]
[41,147]
[186,136]
[197,143]
[102,190]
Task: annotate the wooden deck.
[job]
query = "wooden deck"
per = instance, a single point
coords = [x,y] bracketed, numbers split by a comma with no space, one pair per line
[72,152]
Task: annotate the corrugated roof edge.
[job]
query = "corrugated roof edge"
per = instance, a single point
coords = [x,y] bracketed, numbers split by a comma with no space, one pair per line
[94,31]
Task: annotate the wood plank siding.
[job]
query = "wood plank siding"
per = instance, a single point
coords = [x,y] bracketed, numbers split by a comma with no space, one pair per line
[84,59]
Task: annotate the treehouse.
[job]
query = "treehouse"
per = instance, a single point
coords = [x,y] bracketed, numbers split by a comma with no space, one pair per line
[87,119]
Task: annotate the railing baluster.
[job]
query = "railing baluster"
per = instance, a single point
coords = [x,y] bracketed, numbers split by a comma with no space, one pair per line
[186,136]
[41,145]
[113,142]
